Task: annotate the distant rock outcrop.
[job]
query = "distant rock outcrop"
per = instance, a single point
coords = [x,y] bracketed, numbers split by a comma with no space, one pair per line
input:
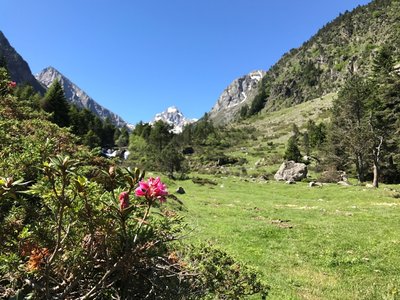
[77,96]
[18,68]
[241,91]
[291,171]
[174,117]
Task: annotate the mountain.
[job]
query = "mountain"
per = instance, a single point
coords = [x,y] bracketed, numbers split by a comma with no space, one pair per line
[77,96]
[240,92]
[18,68]
[174,117]
[340,49]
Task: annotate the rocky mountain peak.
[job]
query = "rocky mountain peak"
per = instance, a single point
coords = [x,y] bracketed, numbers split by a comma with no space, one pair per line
[18,68]
[77,96]
[241,91]
[174,117]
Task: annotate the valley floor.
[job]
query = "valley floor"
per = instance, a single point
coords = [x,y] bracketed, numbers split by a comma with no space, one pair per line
[329,242]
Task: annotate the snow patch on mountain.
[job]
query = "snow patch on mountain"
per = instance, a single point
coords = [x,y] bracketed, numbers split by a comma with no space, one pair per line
[173,116]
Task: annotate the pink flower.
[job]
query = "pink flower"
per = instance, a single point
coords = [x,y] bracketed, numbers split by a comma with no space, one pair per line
[12,84]
[152,189]
[123,200]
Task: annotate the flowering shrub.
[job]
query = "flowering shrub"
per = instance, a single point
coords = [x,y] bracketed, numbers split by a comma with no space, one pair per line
[152,189]
[6,85]
[123,200]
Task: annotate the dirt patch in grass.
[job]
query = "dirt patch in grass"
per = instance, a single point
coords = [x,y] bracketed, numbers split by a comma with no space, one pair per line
[282,223]
[386,204]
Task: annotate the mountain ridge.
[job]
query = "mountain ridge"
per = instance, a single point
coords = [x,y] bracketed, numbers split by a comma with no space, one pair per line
[18,68]
[342,48]
[77,96]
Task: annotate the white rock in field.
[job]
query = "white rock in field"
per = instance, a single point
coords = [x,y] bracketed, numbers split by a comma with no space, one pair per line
[291,171]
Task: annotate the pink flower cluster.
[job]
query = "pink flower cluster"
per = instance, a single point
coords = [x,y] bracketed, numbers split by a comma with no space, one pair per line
[152,189]
[12,84]
[123,200]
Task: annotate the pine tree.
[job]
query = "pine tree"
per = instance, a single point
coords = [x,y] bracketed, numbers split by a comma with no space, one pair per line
[123,137]
[160,136]
[350,129]
[54,102]
[292,150]
[384,107]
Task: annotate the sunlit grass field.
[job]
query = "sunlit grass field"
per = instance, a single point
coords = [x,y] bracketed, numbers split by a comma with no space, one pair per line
[329,242]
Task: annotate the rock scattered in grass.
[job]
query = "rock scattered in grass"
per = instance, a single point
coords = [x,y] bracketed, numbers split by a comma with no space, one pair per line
[203,181]
[343,183]
[282,223]
[315,184]
[180,190]
[344,213]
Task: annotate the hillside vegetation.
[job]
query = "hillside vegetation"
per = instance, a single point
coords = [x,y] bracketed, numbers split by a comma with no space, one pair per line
[269,132]
[342,48]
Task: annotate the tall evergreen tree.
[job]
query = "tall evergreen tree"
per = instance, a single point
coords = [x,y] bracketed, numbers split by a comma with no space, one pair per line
[350,129]
[160,136]
[292,150]
[384,106]
[54,102]
[123,137]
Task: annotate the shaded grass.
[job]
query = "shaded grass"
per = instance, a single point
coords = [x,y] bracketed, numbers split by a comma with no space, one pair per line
[309,243]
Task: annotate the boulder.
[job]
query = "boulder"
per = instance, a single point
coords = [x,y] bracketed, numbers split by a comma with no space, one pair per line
[315,183]
[291,171]
[333,176]
[180,190]
[344,183]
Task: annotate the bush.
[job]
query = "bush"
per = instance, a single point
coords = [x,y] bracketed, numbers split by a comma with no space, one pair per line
[222,277]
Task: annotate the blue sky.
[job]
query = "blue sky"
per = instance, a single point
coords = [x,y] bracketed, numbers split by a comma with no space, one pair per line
[138,57]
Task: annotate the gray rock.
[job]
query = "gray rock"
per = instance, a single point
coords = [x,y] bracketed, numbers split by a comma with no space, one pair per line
[290,181]
[180,190]
[333,176]
[315,183]
[343,183]
[291,171]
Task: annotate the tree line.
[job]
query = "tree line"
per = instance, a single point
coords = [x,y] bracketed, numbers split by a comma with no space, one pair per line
[93,131]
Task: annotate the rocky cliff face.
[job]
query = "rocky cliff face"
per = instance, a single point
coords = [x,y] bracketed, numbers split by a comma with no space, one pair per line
[240,92]
[77,96]
[174,117]
[18,68]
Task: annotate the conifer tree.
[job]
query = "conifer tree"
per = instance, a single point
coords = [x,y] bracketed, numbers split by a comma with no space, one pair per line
[350,129]
[292,150]
[54,102]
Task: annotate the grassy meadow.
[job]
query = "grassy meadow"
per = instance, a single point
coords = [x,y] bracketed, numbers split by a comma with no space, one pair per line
[329,242]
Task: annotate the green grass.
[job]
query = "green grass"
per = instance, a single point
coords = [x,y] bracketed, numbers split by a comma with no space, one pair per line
[308,243]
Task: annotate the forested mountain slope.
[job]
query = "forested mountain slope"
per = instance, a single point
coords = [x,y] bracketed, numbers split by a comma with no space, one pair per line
[342,48]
